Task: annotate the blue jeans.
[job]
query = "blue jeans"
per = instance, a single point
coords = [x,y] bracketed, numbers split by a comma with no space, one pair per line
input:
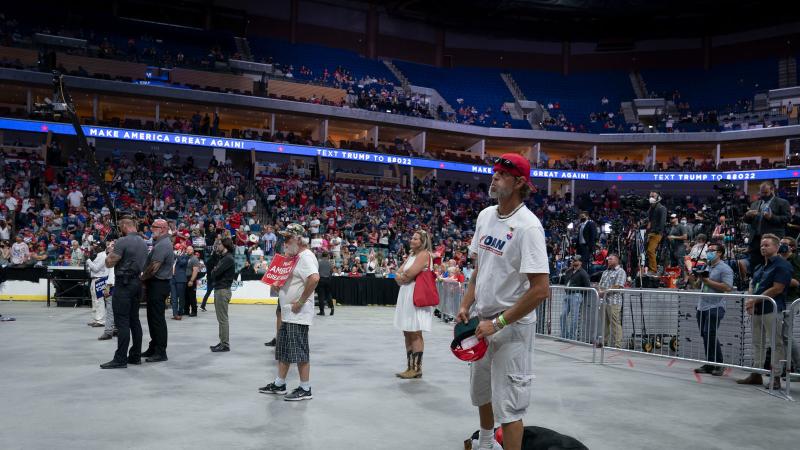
[177,297]
[572,304]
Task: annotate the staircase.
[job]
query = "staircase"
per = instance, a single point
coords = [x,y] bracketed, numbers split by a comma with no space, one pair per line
[637,82]
[787,72]
[436,99]
[513,87]
[243,48]
[515,110]
[629,113]
[399,75]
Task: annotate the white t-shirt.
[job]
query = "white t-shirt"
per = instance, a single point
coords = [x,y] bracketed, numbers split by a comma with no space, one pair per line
[316,243]
[306,266]
[314,226]
[336,244]
[507,250]
[75,198]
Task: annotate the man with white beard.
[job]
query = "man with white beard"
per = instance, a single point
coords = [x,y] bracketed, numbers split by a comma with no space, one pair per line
[296,303]
[510,280]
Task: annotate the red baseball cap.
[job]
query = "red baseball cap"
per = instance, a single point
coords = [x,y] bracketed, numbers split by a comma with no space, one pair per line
[516,165]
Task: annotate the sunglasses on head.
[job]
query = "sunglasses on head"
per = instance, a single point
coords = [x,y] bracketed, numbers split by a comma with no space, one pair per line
[507,163]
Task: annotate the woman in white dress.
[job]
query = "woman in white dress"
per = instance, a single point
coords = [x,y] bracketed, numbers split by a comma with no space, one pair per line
[407,317]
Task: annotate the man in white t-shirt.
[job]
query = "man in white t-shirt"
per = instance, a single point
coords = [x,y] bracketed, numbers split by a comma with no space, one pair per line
[314,225]
[296,303]
[75,198]
[509,281]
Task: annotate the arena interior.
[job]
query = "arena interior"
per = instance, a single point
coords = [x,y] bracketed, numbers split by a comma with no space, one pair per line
[231,190]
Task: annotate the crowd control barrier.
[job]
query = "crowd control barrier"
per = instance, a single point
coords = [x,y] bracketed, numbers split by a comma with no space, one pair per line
[450,294]
[668,323]
[791,336]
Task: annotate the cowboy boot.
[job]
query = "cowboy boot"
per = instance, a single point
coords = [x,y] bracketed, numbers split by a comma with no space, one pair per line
[410,358]
[416,369]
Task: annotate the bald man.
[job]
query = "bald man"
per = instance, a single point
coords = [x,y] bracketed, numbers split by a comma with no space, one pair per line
[156,275]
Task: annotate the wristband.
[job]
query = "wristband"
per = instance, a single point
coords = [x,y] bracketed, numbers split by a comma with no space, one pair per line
[502,320]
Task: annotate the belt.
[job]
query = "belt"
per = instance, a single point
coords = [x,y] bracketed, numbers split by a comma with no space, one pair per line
[492,317]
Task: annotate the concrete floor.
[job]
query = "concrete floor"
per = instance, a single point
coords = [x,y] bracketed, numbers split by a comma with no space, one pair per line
[55,396]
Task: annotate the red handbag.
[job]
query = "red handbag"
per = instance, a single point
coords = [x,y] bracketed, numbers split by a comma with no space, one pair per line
[425,292]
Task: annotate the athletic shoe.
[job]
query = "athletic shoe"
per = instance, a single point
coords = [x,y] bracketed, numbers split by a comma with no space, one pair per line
[705,368]
[220,348]
[270,343]
[273,388]
[298,395]
[718,371]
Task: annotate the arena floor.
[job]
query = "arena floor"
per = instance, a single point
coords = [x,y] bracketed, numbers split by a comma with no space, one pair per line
[55,396]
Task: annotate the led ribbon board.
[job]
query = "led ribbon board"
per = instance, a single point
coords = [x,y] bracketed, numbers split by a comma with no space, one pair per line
[380,158]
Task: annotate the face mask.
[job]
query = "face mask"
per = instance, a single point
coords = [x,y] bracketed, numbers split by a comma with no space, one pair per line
[783,248]
[653,200]
[583,219]
[683,222]
[711,256]
[766,196]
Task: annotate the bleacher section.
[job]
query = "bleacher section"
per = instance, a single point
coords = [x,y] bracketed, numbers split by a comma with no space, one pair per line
[577,95]
[719,88]
[479,87]
[317,58]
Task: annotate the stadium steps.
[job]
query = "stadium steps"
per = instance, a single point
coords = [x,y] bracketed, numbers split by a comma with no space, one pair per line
[787,72]
[514,107]
[243,47]
[512,85]
[399,75]
[639,87]
[515,110]
[629,113]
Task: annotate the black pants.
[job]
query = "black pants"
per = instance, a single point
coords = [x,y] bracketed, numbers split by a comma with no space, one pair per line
[157,293]
[191,299]
[125,303]
[708,321]
[209,289]
[586,252]
[325,294]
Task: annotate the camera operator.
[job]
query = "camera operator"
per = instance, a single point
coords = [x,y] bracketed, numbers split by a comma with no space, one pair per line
[575,276]
[793,227]
[678,234]
[767,215]
[587,237]
[720,230]
[715,277]
[656,222]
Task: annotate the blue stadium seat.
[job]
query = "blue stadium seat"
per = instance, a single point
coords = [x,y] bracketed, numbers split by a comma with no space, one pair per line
[479,87]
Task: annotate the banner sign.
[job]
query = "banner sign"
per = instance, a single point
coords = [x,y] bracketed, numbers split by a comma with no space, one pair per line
[380,158]
[99,287]
[279,270]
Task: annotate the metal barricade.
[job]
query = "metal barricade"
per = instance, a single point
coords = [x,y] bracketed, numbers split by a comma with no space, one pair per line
[450,294]
[791,336]
[570,314]
[667,323]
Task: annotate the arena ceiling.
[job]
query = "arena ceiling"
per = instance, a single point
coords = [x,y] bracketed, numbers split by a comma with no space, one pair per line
[594,20]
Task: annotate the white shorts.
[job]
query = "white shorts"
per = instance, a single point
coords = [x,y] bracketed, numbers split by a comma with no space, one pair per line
[504,375]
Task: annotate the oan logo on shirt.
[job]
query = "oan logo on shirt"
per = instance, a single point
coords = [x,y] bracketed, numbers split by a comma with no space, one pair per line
[493,244]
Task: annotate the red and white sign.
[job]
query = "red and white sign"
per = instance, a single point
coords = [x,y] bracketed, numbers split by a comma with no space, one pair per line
[279,270]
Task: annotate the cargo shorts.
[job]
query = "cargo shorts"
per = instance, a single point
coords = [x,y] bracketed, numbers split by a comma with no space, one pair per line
[504,375]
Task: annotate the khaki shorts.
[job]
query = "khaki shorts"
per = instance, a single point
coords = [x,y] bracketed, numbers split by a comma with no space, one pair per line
[504,375]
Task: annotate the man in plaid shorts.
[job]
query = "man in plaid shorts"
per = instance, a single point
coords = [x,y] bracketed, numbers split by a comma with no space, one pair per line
[296,303]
